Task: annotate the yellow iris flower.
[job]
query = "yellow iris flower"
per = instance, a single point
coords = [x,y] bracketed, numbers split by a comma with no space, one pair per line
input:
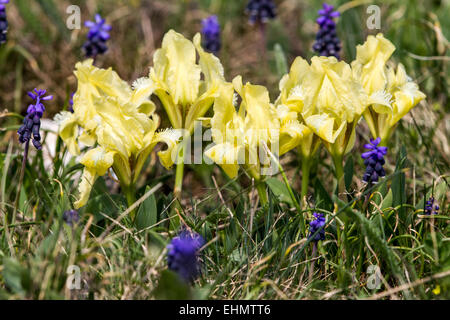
[240,136]
[176,79]
[391,94]
[327,99]
[117,121]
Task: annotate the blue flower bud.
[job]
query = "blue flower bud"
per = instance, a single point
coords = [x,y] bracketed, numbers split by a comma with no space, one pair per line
[316,224]
[32,121]
[3,21]
[211,34]
[183,255]
[260,11]
[96,38]
[327,42]
[374,161]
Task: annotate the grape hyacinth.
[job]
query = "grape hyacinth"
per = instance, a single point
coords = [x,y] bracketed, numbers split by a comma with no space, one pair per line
[374,161]
[71,217]
[183,255]
[211,34]
[260,11]
[97,36]
[32,121]
[430,208]
[318,222]
[327,42]
[3,21]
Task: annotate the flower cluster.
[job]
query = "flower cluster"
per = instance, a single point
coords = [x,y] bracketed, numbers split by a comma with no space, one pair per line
[391,94]
[260,11]
[240,136]
[317,223]
[328,99]
[211,34]
[374,161]
[327,42]
[183,257]
[430,207]
[118,123]
[32,121]
[96,38]
[319,102]
[3,21]
[185,86]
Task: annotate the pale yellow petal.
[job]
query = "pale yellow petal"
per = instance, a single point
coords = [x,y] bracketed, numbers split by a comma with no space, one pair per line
[68,130]
[98,159]
[85,187]
[226,156]
[325,126]
[209,63]
[183,74]
[291,135]
[370,63]
[171,137]
[224,112]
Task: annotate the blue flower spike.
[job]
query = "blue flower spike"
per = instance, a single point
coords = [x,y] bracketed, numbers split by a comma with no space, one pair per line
[211,34]
[430,207]
[374,161]
[96,38]
[327,42]
[71,217]
[260,11]
[183,255]
[317,223]
[32,121]
[3,21]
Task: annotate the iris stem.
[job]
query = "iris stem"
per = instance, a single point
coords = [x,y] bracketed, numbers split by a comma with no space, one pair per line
[288,186]
[261,188]
[179,172]
[19,187]
[131,198]
[339,170]
[306,167]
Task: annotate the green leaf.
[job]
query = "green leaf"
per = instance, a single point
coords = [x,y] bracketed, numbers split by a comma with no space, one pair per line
[280,190]
[32,20]
[147,214]
[15,276]
[348,172]
[50,9]
[323,199]
[398,186]
[172,287]
[105,204]
[387,201]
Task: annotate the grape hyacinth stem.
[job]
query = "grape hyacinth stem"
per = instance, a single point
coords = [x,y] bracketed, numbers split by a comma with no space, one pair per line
[313,260]
[130,195]
[262,193]
[22,173]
